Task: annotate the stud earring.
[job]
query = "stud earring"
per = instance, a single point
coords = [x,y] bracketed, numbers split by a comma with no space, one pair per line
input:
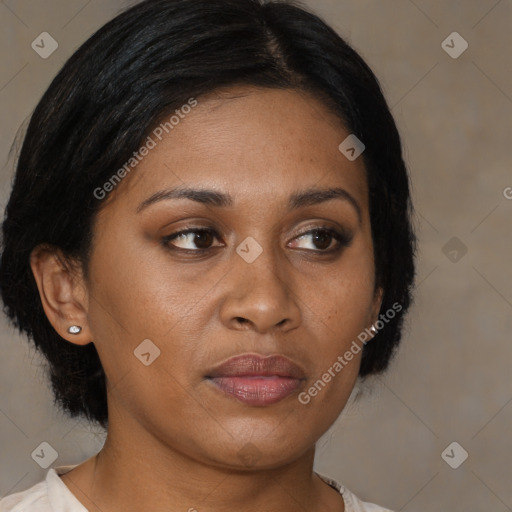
[373,330]
[74,329]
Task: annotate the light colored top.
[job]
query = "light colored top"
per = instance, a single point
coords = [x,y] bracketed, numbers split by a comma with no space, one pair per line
[53,495]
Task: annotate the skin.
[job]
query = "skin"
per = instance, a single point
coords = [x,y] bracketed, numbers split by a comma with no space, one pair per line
[175,442]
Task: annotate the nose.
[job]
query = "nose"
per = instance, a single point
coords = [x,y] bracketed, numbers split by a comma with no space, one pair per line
[260,296]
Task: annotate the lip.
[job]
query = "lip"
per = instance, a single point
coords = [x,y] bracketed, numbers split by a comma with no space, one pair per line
[257,380]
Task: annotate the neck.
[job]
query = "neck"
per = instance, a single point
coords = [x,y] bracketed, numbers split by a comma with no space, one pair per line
[139,472]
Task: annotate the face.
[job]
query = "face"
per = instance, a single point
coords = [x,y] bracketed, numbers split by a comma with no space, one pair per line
[260,262]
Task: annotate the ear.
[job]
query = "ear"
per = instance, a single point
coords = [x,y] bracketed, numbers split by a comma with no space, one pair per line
[63,293]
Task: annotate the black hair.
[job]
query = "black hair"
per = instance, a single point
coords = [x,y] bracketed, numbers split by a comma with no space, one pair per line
[142,65]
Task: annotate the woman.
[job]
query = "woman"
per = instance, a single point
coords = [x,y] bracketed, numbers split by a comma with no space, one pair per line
[209,238]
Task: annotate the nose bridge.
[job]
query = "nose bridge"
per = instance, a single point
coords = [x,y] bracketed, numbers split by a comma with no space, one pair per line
[260,293]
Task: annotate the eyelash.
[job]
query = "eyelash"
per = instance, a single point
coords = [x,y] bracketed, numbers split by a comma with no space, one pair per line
[342,239]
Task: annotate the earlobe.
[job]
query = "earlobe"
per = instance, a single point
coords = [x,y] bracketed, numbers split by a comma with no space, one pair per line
[63,294]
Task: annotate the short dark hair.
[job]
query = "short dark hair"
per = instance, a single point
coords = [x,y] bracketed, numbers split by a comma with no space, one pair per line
[110,94]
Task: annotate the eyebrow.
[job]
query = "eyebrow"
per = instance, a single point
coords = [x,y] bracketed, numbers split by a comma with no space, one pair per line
[217,199]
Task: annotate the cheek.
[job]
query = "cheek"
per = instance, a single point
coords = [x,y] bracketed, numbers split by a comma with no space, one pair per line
[343,299]
[338,351]
[138,294]
[136,290]
[339,309]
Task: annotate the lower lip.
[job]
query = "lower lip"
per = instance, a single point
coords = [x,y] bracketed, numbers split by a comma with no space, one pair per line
[257,390]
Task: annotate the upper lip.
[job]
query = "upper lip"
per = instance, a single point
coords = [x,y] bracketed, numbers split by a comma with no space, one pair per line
[250,365]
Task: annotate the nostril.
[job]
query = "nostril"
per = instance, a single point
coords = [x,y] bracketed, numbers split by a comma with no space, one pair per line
[241,319]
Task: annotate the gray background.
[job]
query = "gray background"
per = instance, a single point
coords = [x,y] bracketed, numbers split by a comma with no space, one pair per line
[451,380]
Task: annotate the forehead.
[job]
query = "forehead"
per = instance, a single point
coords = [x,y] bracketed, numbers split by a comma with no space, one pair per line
[252,143]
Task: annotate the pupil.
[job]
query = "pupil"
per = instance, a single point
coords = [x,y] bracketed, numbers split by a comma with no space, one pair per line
[203,239]
[323,238]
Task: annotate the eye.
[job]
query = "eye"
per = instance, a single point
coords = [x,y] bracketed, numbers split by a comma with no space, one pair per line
[193,239]
[323,240]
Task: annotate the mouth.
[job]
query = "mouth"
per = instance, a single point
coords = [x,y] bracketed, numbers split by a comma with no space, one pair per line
[256,380]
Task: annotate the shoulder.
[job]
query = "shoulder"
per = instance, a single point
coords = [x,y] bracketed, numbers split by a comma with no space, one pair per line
[49,495]
[35,498]
[352,502]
